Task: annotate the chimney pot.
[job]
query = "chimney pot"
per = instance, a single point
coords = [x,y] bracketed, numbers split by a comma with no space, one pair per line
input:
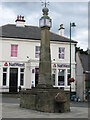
[61,30]
[22,17]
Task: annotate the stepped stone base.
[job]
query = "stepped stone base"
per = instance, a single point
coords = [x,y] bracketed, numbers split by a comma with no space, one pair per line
[45,100]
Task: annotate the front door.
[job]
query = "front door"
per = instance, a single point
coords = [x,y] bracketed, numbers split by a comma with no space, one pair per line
[13,80]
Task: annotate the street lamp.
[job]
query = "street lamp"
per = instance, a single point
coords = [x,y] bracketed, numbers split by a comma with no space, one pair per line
[71,25]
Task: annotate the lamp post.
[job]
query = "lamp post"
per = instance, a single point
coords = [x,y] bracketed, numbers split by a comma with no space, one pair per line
[71,25]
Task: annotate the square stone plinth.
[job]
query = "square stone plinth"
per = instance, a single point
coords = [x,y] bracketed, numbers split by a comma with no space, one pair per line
[44,100]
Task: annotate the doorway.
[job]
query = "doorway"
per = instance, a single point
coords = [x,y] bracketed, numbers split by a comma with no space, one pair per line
[13,82]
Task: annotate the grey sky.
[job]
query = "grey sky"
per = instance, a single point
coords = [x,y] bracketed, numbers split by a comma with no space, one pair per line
[60,12]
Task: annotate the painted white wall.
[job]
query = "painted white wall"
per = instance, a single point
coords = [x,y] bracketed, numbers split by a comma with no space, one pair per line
[55,48]
[27,48]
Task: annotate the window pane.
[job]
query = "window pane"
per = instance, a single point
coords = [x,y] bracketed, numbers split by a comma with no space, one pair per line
[62,56]
[38,48]
[59,56]
[68,76]
[61,77]
[21,79]
[4,78]
[61,52]
[68,70]
[37,52]
[14,50]
[22,70]
[22,76]
[4,69]
[53,77]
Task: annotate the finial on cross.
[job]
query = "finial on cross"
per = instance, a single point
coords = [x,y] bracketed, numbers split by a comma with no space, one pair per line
[44,3]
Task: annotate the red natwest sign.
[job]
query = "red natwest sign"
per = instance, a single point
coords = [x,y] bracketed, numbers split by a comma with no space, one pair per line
[5,64]
[54,65]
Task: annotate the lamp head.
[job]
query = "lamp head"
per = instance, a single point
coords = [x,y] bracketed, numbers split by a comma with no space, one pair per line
[73,24]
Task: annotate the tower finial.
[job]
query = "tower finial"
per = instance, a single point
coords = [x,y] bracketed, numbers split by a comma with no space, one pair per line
[44,3]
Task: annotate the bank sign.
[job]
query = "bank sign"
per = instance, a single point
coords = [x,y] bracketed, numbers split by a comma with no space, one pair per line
[14,64]
[61,65]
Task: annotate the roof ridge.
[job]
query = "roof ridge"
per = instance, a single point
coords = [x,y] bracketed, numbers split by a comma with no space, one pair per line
[10,30]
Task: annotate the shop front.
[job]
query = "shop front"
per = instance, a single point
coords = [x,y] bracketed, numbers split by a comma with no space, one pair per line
[12,76]
[61,75]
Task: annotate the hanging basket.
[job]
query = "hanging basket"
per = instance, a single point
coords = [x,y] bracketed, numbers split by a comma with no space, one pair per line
[71,80]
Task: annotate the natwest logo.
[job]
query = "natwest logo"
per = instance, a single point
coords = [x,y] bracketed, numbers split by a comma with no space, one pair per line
[5,64]
[54,65]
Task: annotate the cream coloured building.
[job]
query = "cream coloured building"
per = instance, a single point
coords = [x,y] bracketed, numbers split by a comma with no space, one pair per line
[19,61]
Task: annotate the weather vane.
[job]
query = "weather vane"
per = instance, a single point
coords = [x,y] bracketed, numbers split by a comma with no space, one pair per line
[44,3]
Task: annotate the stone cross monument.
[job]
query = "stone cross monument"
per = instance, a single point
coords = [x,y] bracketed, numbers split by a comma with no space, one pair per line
[45,97]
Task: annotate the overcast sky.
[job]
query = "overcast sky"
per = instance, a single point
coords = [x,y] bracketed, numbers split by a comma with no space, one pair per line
[59,12]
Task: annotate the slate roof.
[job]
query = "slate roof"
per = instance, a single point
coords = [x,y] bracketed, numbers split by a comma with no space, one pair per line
[29,32]
[85,59]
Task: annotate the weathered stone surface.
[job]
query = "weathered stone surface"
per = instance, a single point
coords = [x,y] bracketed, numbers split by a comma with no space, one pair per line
[44,100]
[60,98]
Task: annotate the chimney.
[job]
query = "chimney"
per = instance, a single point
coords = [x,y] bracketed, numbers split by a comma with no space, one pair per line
[20,22]
[61,30]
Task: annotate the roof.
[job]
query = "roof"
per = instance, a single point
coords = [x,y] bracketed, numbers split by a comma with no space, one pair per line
[29,32]
[85,60]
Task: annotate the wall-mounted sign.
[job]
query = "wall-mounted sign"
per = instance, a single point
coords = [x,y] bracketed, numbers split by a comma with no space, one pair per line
[17,64]
[63,65]
[54,65]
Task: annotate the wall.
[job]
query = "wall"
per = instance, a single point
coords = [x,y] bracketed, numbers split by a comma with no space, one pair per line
[79,77]
[27,48]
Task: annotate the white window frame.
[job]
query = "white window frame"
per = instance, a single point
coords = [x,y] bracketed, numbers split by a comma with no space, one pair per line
[23,76]
[54,73]
[14,50]
[61,53]
[37,51]
[68,73]
[6,72]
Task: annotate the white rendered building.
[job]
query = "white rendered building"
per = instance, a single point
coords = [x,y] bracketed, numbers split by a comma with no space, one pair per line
[19,61]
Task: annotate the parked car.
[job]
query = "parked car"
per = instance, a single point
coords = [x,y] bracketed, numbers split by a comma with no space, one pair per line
[75,98]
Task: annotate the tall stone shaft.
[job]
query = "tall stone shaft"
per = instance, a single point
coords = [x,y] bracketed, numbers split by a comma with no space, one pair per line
[45,59]
[45,55]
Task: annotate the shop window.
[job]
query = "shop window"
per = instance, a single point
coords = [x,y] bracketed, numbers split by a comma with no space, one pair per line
[54,76]
[4,76]
[22,76]
[61,52]
[68,76]
[37,51]
[14,49]
[61,78]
